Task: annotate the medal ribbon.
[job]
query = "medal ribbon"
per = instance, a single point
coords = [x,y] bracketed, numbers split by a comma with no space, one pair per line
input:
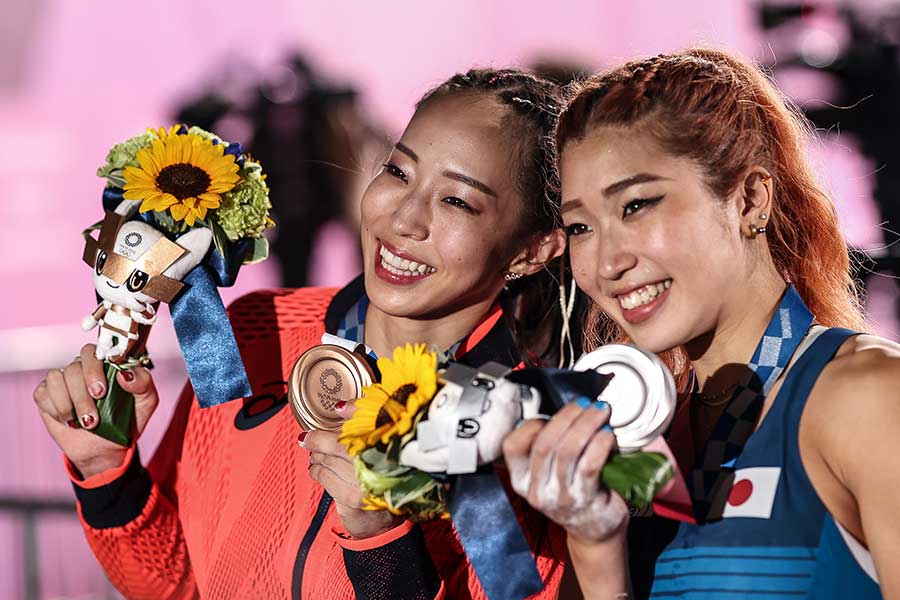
[479,508]
[781,339]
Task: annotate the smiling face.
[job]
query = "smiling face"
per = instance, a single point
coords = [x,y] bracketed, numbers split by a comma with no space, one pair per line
[127,272]
[650,243]
[441,222]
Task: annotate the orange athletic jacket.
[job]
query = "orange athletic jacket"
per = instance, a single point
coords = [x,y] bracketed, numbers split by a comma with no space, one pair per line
[226,507]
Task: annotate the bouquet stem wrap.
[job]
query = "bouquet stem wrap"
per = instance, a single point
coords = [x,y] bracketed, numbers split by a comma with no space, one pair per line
[115,409]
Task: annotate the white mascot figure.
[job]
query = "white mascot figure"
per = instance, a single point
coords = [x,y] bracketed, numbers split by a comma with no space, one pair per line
[135,267]
[468,419]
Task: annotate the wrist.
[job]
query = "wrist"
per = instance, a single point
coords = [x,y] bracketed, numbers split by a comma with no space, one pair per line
[375,527]
[98,464]
[601,567]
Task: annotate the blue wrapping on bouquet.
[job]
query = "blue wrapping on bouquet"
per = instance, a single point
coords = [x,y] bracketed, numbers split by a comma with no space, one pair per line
[492,537]
[207,341]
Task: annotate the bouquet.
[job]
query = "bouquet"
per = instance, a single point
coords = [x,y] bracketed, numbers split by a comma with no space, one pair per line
[424,422]
[184,210]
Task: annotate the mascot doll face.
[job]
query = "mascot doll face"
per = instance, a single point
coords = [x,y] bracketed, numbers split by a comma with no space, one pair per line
[143,267]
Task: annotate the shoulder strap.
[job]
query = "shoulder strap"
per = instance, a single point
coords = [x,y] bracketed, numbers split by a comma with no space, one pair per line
[803,375]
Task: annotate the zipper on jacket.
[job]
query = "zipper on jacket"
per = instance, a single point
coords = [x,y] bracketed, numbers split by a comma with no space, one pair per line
[300,563]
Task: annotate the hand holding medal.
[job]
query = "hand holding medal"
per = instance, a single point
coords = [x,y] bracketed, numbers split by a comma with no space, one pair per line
[423,438]
[335,371]
[421,421]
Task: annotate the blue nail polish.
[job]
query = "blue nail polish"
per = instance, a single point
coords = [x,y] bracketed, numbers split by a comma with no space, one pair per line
[583,401]
[600,405]
[606,428]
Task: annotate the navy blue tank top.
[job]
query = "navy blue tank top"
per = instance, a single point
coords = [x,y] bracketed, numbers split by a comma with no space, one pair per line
[775,538]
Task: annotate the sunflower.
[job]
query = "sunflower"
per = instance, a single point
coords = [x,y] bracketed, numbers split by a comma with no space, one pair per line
[387,409]
[184,173]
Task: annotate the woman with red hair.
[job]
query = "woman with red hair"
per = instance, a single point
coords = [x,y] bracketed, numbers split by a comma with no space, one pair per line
[696,227]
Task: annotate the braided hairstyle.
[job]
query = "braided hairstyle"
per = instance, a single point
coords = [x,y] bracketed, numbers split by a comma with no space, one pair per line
[726,115]
[533,106]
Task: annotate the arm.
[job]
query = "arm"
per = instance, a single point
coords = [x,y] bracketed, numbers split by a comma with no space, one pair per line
[852,433]
[601,567]
[130,518]
[147,317]
[395,564]
[383,554]
[90,321]
[556,466]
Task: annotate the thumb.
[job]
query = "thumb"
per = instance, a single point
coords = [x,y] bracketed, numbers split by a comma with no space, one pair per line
[139,383]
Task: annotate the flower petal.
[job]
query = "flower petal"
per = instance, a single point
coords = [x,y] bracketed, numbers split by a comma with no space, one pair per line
[179,211]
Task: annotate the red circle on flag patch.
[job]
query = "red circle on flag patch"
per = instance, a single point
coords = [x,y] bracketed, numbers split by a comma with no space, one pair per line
[740,492]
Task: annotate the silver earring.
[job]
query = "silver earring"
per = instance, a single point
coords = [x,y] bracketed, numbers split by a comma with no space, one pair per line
[512,275]
[758,230]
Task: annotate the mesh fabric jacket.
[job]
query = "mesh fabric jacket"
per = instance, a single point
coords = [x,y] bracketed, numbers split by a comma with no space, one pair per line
[226,507]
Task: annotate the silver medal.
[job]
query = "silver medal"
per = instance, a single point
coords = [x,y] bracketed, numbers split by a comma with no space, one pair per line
[641,394]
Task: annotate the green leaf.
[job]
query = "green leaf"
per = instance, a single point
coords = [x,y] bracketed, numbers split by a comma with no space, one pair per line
[411,434]
[258,252]
[638,476]
[376,460]
[374,482]
[165,220]
[220,238]
[117,178]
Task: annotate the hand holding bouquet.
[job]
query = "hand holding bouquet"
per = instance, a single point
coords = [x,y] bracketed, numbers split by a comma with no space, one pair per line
[422,423]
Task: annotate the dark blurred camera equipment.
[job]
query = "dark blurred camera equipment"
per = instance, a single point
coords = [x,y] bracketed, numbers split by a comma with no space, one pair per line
[308,133]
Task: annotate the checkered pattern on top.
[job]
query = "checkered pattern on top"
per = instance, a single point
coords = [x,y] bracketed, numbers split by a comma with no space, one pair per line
[773,353]
[352,326]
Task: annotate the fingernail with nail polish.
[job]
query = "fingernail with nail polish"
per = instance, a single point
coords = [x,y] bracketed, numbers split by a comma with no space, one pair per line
[583,401]
[301,437]
[607,427]
[600,405]
[73,424]
[340,405]
[128,376]
[96,389]
[88,420]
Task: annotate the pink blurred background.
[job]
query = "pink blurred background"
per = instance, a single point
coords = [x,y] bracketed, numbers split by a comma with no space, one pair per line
[77,77]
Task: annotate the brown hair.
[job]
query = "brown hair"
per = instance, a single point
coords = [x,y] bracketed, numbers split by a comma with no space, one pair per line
[726,115]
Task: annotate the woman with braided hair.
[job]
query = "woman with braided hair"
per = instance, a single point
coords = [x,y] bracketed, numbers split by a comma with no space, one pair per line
[698,231]
[229,506]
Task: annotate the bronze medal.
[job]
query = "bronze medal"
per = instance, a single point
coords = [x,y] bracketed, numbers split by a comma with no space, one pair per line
[321,377]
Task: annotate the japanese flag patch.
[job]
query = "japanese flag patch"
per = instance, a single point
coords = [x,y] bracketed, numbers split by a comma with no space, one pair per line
[752,493]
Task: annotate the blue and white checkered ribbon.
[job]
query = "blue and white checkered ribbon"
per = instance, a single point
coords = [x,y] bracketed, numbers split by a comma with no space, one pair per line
[715,465]
[353,325]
